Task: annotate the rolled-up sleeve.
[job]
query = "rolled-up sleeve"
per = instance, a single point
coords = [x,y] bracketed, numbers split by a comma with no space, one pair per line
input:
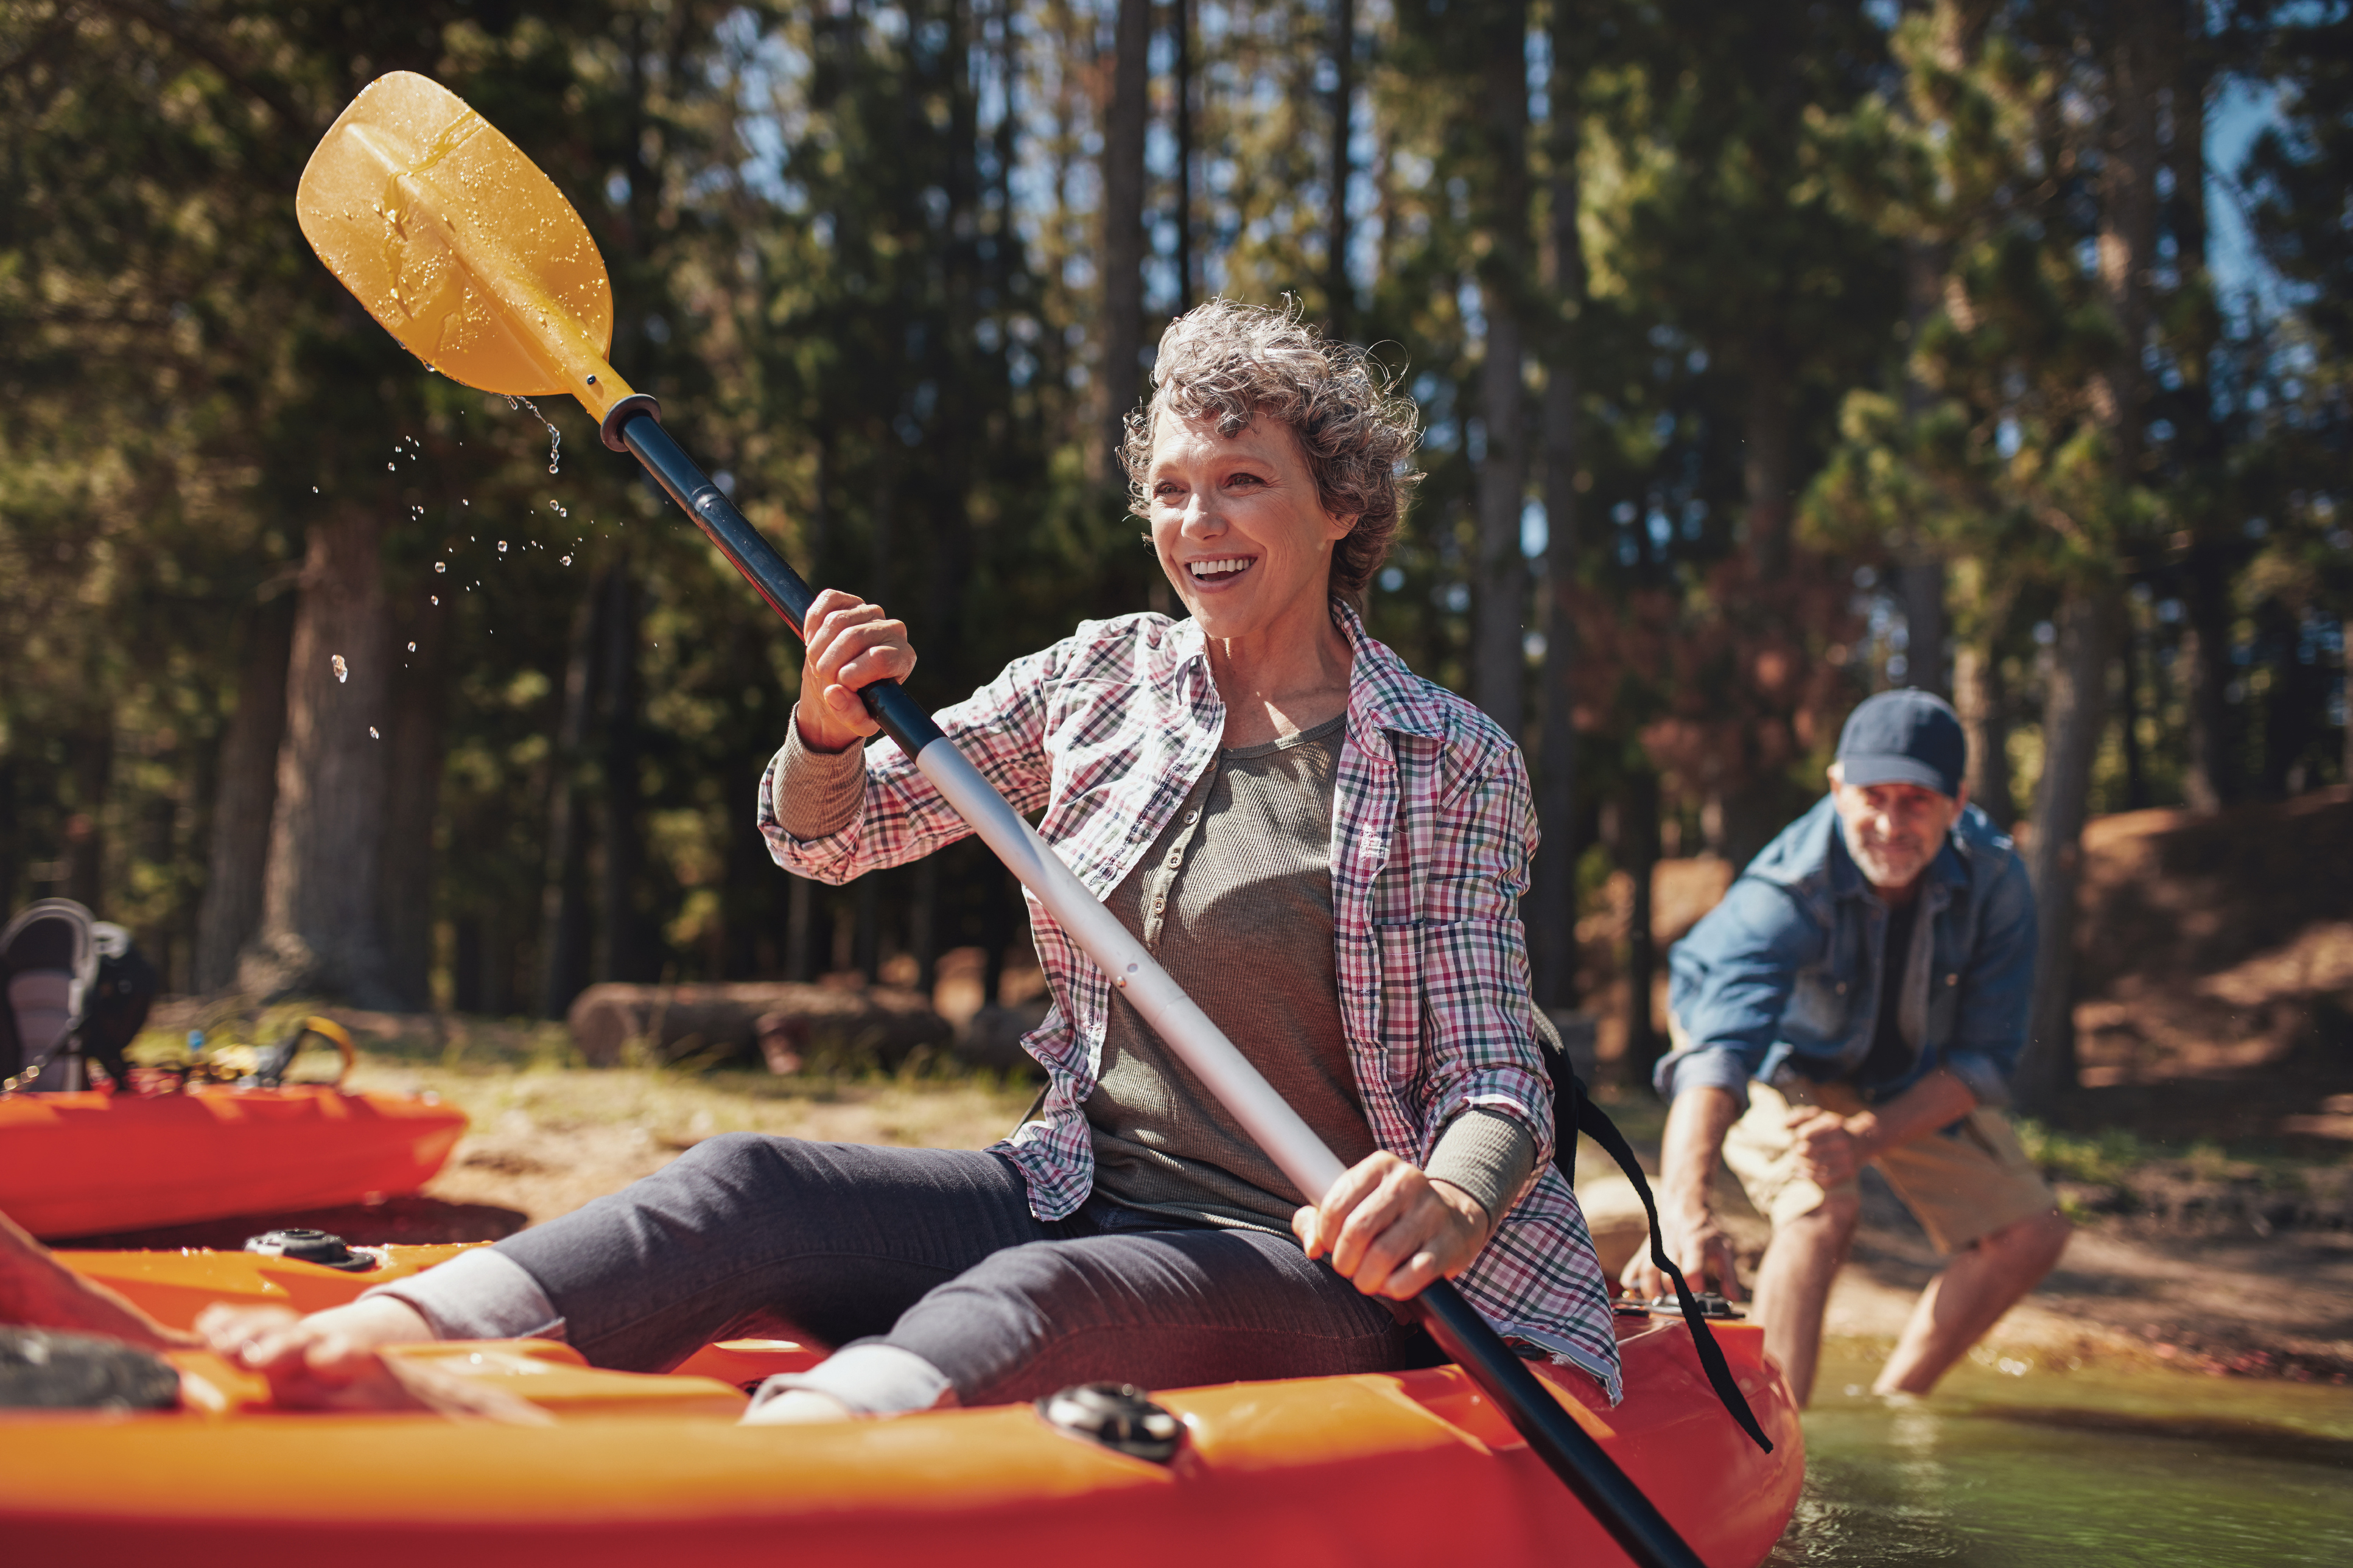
[1706,1066]
[898,817]
[1730,983]
[815,795]
[1996,990]
[1474,956]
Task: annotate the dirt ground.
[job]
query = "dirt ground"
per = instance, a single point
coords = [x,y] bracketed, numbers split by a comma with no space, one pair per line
[2207,1157]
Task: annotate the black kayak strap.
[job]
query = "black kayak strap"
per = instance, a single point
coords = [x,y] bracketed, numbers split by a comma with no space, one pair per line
[1595,1124]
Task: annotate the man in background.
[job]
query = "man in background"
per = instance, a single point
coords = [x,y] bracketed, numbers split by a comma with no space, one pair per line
[1861,997]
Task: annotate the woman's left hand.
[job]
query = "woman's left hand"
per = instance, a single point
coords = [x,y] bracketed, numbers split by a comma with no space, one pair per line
[1390,1230]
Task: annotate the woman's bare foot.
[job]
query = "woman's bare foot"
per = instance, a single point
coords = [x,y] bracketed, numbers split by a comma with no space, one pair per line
[326,1360]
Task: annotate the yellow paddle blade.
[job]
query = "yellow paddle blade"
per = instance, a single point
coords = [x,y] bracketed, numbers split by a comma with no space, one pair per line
[459,244]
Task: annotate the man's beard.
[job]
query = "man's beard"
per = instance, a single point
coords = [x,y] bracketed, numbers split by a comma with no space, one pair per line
[1888,866]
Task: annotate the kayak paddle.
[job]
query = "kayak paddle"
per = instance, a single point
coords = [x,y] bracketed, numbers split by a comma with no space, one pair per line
[469,256]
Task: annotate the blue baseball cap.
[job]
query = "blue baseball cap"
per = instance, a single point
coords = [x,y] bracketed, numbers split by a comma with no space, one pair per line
[1904,737]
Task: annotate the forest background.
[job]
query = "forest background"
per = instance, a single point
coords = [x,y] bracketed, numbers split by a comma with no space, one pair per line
[1770,354]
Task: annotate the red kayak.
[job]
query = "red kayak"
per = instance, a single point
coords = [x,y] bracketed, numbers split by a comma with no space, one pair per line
[89,1163]
[1404,1469]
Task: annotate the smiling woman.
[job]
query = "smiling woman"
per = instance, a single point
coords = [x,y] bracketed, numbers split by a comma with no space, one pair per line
[1323,849]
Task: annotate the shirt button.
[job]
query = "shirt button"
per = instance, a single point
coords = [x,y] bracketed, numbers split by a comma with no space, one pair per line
[1192,816]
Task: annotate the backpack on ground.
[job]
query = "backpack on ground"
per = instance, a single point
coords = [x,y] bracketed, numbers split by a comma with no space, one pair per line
[77,990]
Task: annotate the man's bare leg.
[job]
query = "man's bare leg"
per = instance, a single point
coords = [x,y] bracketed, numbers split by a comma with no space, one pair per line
[1793,1286]
[1969,1297]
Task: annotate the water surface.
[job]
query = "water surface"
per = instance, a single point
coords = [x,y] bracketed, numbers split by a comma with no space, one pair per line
[2024,1466]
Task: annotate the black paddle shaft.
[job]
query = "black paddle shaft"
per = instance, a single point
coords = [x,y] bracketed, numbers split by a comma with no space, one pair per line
[1563,1444]
[1565,1447]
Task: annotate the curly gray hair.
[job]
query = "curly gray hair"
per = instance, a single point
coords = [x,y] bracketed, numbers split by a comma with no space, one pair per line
[1235,363]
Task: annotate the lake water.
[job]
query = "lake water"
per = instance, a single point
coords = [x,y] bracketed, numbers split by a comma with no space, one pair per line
[2072,1468]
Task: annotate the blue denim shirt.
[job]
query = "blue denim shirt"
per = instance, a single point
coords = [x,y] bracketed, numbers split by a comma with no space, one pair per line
[1786,971]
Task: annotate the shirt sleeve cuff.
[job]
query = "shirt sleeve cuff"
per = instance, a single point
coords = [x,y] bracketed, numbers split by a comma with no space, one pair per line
[478,1295]
[1488,1155]
[1981,1077]
[872,1377]
[1709,1067]
[816,793]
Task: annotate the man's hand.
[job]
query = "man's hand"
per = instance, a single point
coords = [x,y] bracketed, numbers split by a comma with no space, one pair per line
[1694,1141]
[1390,1229]
[1699,1248]
[1833,1150]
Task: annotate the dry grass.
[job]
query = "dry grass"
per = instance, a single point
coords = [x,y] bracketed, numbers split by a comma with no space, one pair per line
[549,1134]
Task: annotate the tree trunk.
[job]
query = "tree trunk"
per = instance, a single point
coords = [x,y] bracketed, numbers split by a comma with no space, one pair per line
[94,776]
[1765,482]
[1638,856]
[413,743]
[1124,115]
[319,932]
[2201,667]
[1920,572]
[799,930]
[1181,24]
[1498,660]
[1920,579]
[2208,781]
[2072,715]
[2128,719]
[245,789]
[567,927]
[1551,904]
[626,954]
[12,826]
[1339,293]
[1984,709]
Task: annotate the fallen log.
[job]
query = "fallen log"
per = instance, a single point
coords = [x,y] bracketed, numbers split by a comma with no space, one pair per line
[789,1026]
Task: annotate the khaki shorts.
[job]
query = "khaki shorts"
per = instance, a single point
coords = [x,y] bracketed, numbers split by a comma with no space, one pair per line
[1961,1185]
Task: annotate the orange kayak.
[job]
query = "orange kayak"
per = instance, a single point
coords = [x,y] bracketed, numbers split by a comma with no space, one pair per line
[87,1164]
[1406,1469]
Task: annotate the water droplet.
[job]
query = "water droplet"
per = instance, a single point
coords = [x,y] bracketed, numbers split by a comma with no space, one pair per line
[465,504]
[436,598]
[412,648]
[372,735]
[502,547]
[314,489]
[567,561]
[440,566]
[388,467]
[343,670]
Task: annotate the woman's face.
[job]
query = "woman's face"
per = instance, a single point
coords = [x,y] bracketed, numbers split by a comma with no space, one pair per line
[1239,527]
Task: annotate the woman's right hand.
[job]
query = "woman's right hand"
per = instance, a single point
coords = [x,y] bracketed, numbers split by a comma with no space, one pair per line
[851,645]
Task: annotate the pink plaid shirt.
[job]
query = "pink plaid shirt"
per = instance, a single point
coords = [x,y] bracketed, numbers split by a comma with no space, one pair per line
[1432,826]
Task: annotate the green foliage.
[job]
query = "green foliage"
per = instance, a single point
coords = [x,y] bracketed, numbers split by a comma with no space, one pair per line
[854,251]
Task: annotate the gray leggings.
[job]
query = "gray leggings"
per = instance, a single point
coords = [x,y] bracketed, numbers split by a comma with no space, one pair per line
[933,1253]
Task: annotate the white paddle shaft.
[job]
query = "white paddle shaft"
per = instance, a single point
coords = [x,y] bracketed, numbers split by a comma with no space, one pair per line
[1239,1086]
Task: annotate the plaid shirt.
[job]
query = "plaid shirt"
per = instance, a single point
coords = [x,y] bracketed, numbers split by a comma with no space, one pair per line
[1432,826]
